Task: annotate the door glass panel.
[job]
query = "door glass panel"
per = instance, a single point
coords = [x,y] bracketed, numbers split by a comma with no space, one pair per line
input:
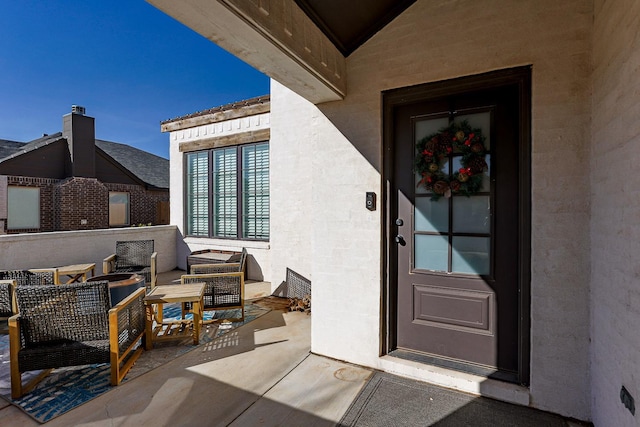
[420,189]
[424,128]
[471,255]
[486,184]
[456,162]
[431,252]
[438,224]
[471,214]
[431,215]
[481,121]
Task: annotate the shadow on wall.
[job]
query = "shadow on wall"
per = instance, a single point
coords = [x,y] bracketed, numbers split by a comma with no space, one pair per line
[182,251]
[254,271]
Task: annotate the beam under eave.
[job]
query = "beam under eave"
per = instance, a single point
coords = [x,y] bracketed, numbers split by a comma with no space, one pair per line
[273,36]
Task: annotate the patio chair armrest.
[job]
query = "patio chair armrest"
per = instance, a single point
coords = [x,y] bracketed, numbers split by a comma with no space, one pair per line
[15,336]
[127,315]
[154,269]
[15,345]
[109,264]
[126,327]
[129,301]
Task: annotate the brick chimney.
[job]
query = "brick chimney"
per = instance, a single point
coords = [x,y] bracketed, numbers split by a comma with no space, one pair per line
[79,130]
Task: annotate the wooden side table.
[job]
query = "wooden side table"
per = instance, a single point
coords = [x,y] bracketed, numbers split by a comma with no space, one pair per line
[175,329]
[75,272]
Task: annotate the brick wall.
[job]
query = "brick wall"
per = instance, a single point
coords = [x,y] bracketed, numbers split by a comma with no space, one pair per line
[83,203]
[144,204]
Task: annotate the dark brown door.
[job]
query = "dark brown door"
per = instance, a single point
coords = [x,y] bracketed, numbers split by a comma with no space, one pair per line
[457,259]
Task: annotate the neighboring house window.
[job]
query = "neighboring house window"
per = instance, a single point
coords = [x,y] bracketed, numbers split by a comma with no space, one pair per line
[227,192]
[118,209]
[23,210]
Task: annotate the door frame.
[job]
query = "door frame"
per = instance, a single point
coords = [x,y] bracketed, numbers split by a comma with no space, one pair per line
[519,77]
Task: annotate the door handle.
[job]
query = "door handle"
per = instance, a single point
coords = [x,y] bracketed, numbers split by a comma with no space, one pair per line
[400,240]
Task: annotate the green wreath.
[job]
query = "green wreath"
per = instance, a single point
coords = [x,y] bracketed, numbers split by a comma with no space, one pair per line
[433,152]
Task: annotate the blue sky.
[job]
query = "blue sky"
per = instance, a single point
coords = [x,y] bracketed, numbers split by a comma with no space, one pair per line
[130,65]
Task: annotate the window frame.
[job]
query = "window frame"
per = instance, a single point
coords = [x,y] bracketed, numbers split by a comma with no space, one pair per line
[127,213]
[10,190]
[239,194]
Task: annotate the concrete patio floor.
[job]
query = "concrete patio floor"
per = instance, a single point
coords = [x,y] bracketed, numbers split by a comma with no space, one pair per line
[261,374]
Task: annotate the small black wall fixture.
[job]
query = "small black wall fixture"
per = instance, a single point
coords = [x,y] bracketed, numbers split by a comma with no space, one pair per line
[371,201]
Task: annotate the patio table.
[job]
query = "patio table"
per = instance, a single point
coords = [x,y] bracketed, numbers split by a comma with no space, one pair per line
[173,329]
[75,272]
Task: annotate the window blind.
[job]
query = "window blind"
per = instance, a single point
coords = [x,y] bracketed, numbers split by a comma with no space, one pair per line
[198,194]
[225,197]
[255,191]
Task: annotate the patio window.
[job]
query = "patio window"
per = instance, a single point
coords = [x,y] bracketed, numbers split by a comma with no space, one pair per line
[118,209]
[227,192]
[23,208]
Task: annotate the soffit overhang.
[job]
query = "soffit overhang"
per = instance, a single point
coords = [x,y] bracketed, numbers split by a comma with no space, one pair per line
[349,24]
[300,43]
[274,36]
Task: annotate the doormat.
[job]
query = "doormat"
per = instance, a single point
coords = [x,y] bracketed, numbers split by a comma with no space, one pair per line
[66,388]
[389,400]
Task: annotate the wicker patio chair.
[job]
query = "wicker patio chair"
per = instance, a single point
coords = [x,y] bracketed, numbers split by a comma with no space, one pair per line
[134,256]
[69,325]
[222,291]
[9,279]
[236,263]
[35,276]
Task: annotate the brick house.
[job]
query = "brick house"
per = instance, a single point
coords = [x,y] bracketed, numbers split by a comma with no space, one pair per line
[72,181]
[527,291]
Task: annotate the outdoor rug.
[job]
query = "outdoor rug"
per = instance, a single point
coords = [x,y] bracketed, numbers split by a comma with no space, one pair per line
[389,400]
[67,388]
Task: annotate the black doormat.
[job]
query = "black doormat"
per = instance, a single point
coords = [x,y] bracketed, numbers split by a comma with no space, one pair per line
[389,400]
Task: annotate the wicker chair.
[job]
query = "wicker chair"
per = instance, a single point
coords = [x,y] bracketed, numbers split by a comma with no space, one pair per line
[134,256]
[69,325]
[9,279]
[222,291]
[235,263]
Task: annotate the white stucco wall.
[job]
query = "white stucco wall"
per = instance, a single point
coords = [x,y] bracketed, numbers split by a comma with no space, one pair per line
[259,261]
[55,249]
[292,146]
[615,211]
[431,41]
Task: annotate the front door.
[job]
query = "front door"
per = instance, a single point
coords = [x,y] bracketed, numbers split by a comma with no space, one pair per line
[456,229]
